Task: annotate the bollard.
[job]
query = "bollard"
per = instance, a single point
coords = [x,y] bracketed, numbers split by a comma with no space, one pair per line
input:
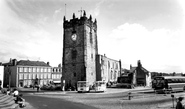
[172,100]
[129,96]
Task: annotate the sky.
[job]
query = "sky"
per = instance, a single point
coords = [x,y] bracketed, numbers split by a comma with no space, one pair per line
[151,31]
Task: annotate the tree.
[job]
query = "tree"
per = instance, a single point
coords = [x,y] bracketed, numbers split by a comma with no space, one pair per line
[174,73]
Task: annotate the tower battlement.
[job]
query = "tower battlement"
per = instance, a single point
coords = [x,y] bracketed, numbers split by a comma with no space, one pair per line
[79,21]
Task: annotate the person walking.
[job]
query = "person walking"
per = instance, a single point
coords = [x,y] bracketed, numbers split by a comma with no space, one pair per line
[179,103]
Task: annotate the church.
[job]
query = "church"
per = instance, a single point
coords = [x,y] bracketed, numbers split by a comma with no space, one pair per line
[81,61]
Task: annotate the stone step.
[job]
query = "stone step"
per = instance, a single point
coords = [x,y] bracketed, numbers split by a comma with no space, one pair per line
[14,106]
[7,102]
[6,99]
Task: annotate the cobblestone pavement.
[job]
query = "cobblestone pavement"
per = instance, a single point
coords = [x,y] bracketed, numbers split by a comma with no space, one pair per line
[28,106]
[116,99]
[120,101]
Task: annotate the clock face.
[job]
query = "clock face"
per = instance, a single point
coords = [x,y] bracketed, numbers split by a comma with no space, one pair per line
[73,37]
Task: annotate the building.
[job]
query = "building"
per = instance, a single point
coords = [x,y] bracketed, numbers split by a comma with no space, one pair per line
[108,70]
[138,75]
[79,50]
[24,73]
[1,75]
[56,74]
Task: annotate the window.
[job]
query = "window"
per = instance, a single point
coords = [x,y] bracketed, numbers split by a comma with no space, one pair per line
[29,69]
[25,69]
[20,69]
[41,76]
[49,76]
[20,76]
[25,76]
[38,69]
[116,65]
[45,76]
[33,76]
[91,39]
[74,54]
[52,76]
[49,70]
[38,76]
[74,74]
[41,69]
[45,69]
[60,75]
[41,82]
[29,77]
[34,69]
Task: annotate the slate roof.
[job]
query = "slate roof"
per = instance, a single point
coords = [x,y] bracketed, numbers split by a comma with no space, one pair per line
[32,63]
[133,69]
[142,68]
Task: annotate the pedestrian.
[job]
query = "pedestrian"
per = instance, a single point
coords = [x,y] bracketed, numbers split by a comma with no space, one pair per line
[38,87]
[21,101]
[8,91]
[179,104]
[16,94]
[33,87]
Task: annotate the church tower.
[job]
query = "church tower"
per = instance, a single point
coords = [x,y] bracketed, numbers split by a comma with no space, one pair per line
[79,50]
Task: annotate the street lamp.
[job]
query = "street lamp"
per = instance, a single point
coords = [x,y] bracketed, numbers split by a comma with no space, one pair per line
[9,75]
[172,100]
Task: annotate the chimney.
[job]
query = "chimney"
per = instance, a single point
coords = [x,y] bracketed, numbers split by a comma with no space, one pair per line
[14,62]
[130,66]
[139,63]
[59,65]
[47,63]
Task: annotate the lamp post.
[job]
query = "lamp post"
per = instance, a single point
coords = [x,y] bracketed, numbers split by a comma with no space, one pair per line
[9,73]
[172,100]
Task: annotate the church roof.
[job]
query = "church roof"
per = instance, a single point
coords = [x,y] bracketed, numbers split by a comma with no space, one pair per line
[32,63]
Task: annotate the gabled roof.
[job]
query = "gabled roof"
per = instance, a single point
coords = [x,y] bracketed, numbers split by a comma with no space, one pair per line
[32,63]
[132,69]
[144,69]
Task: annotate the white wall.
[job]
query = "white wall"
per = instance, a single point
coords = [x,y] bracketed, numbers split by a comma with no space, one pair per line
[2,74]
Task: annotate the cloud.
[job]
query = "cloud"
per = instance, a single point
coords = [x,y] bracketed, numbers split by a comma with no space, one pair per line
[22,39]
[96,11]
[56,12]
[132,42]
